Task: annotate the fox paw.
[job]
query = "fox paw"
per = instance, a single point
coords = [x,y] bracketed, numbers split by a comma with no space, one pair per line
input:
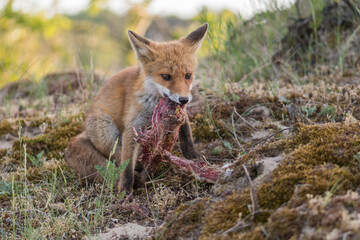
[193,155]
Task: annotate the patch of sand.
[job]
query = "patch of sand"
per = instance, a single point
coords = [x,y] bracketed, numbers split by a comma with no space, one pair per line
[125,231]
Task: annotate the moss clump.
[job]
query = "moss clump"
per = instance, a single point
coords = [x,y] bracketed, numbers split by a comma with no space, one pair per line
[187,219]
[3,153]
[330,143]
[322,157]
[35,121]
[319,158]
[224,214]
[245,102]
[317,218]
[13,126]
[208,129]
[53,142]
[256,234]
[289,186]
[5,127]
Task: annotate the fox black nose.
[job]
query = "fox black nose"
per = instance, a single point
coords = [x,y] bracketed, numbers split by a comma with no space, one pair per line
[183,100]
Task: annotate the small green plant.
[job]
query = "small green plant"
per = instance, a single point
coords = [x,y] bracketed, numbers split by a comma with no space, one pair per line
[13,204]
[327,110]
[227,145]
[357,157]
[285,100]
[217,150]
[110,172]
[331,192]
[5,188]
[308,111]
[36,161]
[40,89]
[20,137]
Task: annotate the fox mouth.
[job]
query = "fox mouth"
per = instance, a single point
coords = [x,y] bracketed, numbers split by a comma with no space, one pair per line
[173,98]
[179,100]
[158,89]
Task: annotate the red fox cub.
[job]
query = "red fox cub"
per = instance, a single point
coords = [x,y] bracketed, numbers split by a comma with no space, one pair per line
[127,101]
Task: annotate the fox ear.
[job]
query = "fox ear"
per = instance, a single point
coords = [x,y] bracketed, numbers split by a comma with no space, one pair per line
[142,47]
[195,38]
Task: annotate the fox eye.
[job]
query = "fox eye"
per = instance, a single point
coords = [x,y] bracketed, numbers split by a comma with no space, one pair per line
[166,77]
[187,76]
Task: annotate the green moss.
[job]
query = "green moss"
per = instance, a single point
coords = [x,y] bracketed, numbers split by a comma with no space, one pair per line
[247,101]
[204,130]
[256,234]
[53,142]
[38,173]
[12,127]
[187,219]
[295,186]
[322,159]
[5,127]
[208,128]
[285,225]
[3,153]
[316,218]
[36,121]
[223,215]
[319,158]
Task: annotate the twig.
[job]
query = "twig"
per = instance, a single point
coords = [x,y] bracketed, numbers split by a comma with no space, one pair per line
[264,232]
[237,227]
[234,131]
[151,210]
[188,194]
[219,159]
[272,135]
[154,181]
[81,199]
[208,163]
[242,224]
[244,119]
[253,196]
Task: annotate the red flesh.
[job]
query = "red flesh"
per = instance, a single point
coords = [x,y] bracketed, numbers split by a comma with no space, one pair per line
[157,141]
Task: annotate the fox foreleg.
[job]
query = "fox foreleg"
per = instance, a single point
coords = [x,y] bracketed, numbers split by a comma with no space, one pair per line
[186,142]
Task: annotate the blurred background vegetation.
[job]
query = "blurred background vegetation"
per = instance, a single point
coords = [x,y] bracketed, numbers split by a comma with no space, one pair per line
[36,43]
[237,49]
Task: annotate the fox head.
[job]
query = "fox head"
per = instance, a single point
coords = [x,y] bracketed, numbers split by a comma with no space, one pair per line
[169,66]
